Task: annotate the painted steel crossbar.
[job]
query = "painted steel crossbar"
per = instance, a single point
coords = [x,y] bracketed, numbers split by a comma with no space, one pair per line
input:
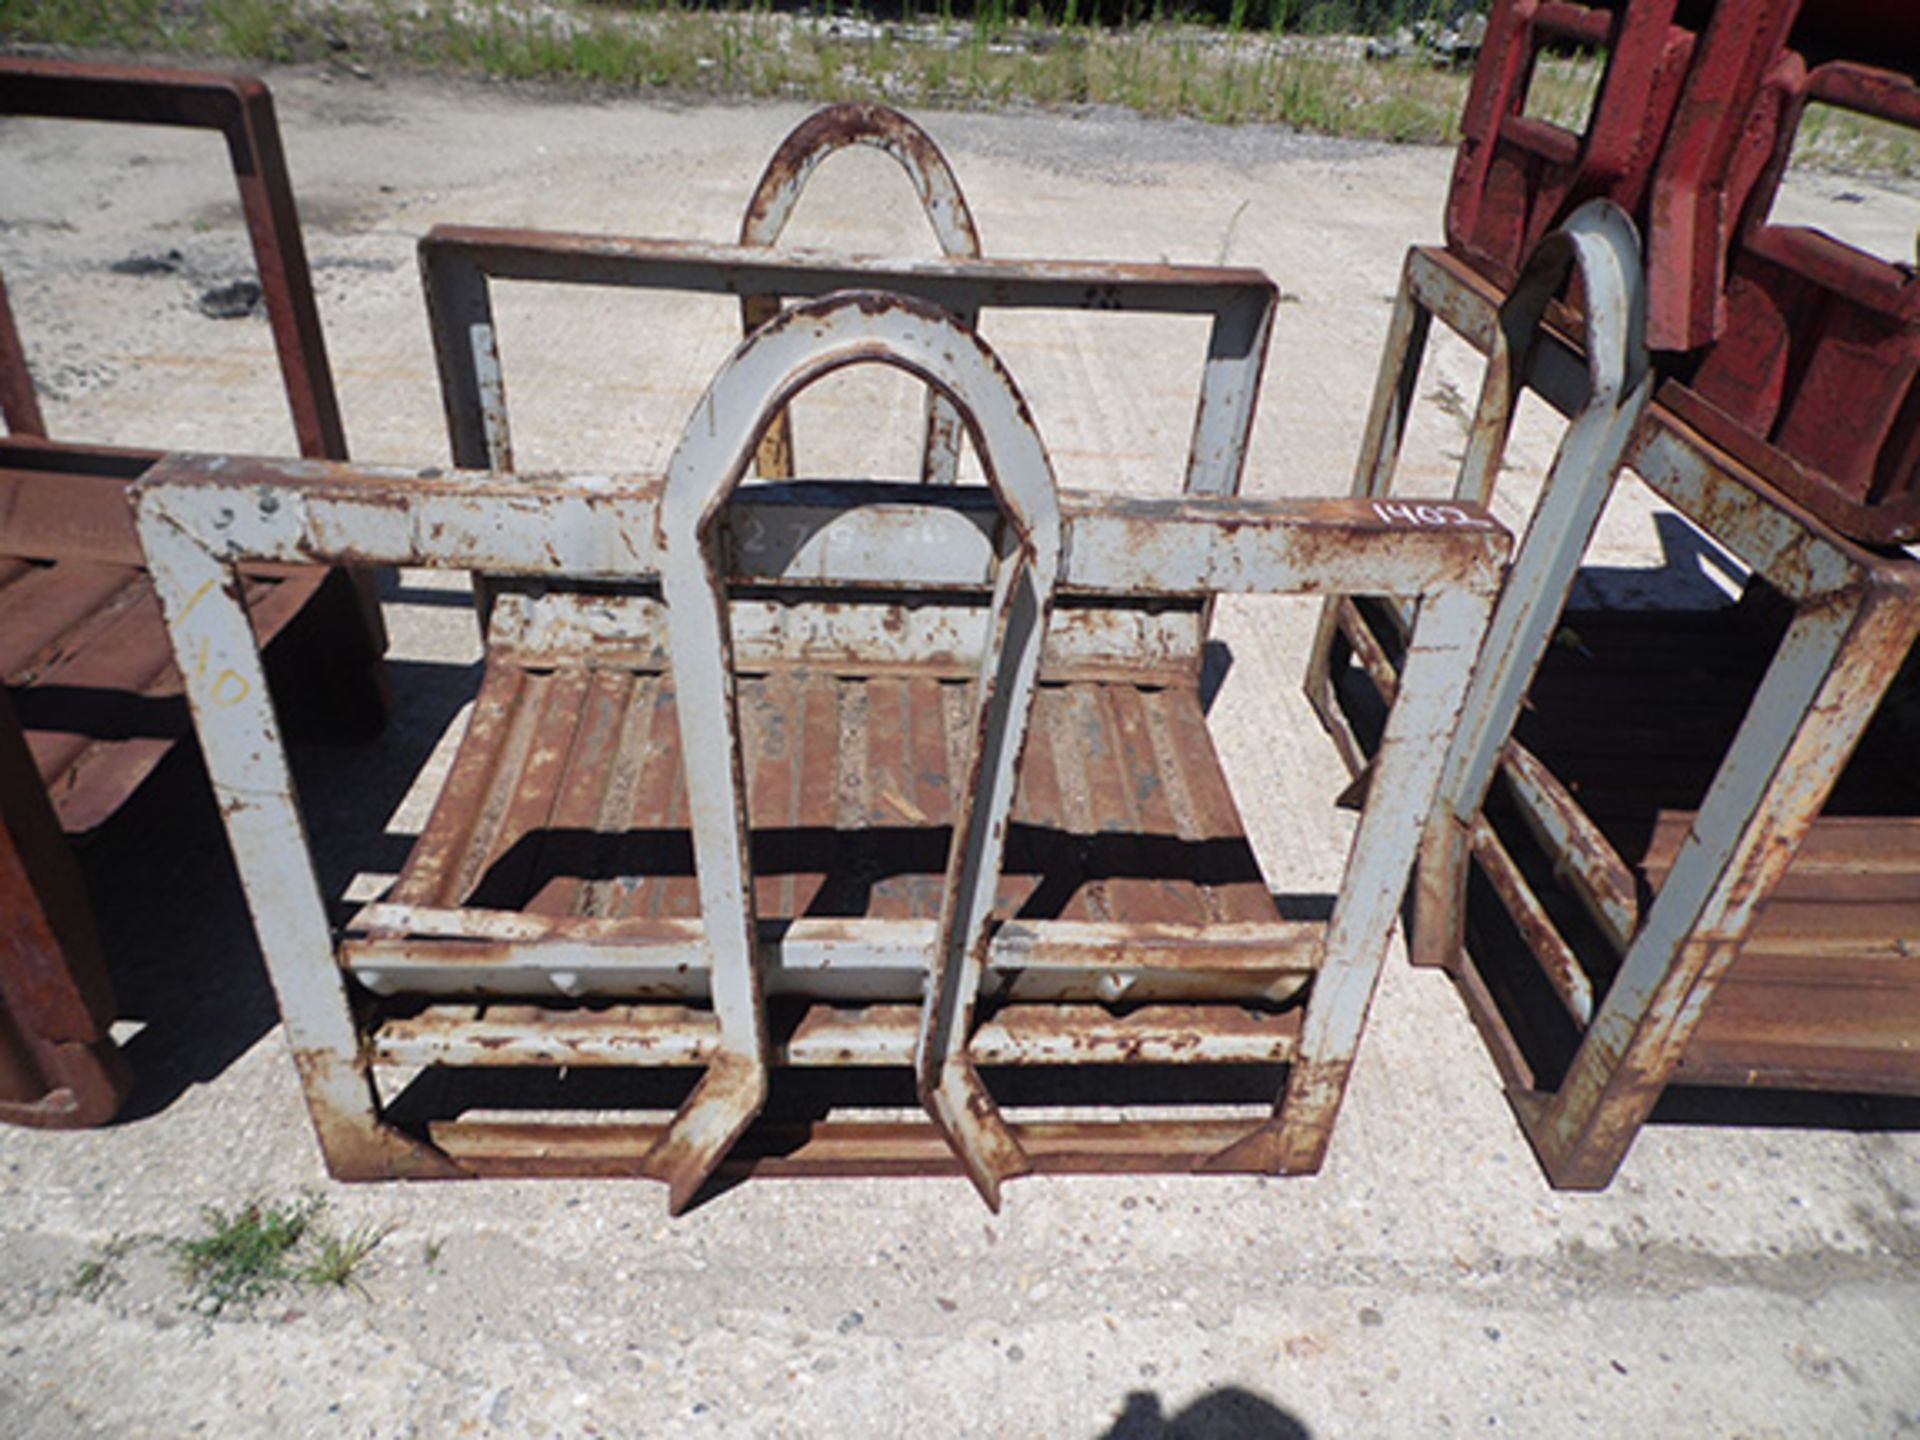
[1855,618]
[873,991]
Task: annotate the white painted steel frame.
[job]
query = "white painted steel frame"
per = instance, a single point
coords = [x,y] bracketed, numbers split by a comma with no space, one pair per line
[457,262]
[1856,618]
[200,517]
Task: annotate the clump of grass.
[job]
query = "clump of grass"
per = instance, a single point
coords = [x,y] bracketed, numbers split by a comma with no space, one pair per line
[247,1254]
[336,1259]
[244,1255]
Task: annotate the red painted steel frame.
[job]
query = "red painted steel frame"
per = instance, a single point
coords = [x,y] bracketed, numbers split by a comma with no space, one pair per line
[57,1064]
[1515,176]
[1815,376]
[239,107]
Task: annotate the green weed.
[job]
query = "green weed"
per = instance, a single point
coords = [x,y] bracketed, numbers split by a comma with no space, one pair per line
[336,1259]
[246,1254]
[100,1271]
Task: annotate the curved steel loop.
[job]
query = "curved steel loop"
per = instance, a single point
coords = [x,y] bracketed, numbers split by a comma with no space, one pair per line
[775,363]
[838,127]
[1600,243]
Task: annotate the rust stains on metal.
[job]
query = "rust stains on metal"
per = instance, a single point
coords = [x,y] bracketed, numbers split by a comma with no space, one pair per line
[356,1146]
[731,845]
[89,619]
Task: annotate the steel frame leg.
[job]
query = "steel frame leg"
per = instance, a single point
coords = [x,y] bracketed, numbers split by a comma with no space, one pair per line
[58,1068]
[1407,783]
[226,687]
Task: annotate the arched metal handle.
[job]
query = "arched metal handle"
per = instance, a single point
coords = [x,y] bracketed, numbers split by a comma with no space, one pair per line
[1599,243]
[839,127]
[775,363]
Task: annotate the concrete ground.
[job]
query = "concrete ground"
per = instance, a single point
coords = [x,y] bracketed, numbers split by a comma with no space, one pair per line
[1748,1279]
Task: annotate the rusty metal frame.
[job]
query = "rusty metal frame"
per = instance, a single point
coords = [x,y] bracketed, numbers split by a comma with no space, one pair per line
[65,502]
[241,109]
[200,517]
[840,127]
[1856,615]
[1514,176]
[458,262]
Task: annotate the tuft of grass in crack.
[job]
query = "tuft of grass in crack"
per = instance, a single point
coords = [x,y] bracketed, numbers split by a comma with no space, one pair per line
[245,1254]
[336,1259]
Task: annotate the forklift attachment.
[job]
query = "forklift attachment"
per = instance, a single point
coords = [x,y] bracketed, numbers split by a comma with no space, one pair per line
[827,827]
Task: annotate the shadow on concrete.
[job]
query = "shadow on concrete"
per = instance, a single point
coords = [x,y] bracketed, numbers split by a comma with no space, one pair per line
[1229,1413]
[1786,1110]
[1683,580]
[173,922]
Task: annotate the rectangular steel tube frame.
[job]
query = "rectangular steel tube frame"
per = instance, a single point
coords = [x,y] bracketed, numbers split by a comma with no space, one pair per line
[1856,618]
[457,262]
[241,109]
[201,517]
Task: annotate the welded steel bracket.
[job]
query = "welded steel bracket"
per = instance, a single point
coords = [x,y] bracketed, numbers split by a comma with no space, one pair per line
[439,975]
[1855,620]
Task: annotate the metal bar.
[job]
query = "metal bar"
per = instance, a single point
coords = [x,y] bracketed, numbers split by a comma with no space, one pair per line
[466,351]
[413,950]
[246,761]
[1581,852]
[591,527]
[1556,957]
[1240,301]
[827,1037]
[839,1148]
[901,631]
[57,1065]
[19,404]
[48,515]
[1405,787]
[1599,241]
